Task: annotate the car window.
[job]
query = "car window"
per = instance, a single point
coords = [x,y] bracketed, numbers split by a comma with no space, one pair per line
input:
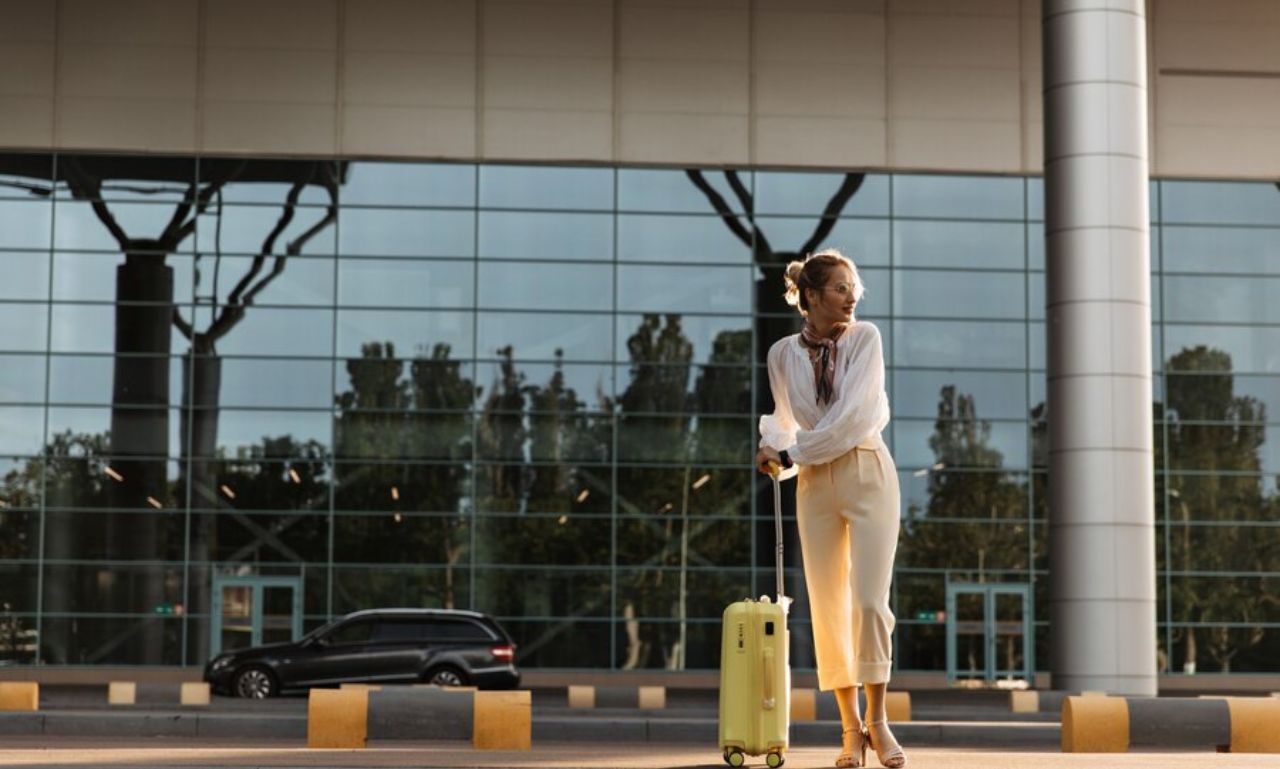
[456,630]
[351,633]
[451,630]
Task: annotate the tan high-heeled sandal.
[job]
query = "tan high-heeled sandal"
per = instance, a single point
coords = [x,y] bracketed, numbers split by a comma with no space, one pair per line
[895,757]
[852,757]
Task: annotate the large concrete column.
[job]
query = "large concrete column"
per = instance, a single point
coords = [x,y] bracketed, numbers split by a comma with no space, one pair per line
[1101,510]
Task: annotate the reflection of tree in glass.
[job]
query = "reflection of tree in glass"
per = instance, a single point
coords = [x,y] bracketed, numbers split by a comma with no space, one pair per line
[666,423]
[386,416]
[1216,499]
[974,520]
[973,512]
[543,485]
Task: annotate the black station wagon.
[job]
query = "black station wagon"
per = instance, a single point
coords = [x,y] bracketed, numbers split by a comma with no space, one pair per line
[450,648]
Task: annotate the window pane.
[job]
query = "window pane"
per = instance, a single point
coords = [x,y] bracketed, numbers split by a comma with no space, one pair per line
[1248,349]
[254,230]
[865,241]
[153,431]
[1221,249]
[546,187]
[988,344]
[377,232]
[405,283]
[23,326]
[554,286]
[95,277]
[648,238]
[581,489]
[393,537]
[720,440]
[1220,202]
[995,395]
[920,443]
[674,289]
[359,587]
[80,228]
[565,540]
[1211,299]
[282,475]
[410,332]
[271,331]
[409,184]
[266,382]
[26,275]
[522,235]
[958,197]
[22,378]
[392,435]
[544,336]
[959,244]
[642,189]
[440,489]
[88,379]
[91,327]
[663,339]
[943,494]
[581,386]
[978,547]
[805,193]
[1225,447]
[25,223]
[21,430]
[522,591]
[89,640]
[924,293]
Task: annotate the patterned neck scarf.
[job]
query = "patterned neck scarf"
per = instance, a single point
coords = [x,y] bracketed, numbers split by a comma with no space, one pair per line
[822,354]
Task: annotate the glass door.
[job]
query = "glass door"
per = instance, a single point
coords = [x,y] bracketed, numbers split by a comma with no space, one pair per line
[251,611]
[989,632]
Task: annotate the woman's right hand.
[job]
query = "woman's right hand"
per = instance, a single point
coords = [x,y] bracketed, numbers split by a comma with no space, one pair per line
[764,456]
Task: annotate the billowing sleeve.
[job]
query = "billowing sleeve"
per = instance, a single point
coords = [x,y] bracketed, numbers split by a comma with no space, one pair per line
[778,430]
[861,410]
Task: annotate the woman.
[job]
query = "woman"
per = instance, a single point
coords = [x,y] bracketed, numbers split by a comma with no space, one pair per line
[829,409]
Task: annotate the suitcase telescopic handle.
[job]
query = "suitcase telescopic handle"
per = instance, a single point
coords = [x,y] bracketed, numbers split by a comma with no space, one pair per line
[774,470]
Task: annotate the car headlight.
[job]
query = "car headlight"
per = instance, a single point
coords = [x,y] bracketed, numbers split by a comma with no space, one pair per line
[221,663]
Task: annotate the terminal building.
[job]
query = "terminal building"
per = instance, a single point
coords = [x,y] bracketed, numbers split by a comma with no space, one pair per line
[320,305]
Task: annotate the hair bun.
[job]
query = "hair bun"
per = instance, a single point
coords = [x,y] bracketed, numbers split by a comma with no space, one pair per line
[791,278]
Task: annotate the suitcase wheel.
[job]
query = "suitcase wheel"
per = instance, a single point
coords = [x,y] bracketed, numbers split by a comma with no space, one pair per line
[734,757]
[774,760]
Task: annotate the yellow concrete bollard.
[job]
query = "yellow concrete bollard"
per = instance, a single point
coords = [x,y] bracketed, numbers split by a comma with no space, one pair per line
[194,693]
[1025,701]
[1253,724]
[1093,694]
[122,693]
[582,696]
[502,721]
[19,695]
[897,706]
[652,697]
[1095,725]
[338,718]
[804,705]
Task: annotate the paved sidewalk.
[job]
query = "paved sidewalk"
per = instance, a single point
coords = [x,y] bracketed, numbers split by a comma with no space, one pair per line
[72,752]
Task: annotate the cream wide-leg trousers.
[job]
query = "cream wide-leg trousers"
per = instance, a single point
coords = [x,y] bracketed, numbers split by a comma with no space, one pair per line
[847,512]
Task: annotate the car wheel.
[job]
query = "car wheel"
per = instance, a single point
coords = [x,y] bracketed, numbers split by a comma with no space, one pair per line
[255,683]
[446,675]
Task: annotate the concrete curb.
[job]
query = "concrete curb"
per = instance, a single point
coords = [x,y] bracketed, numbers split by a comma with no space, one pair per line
[544,729]
[1115,724]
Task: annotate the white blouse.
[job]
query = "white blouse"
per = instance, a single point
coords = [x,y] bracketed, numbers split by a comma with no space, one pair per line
[814,434]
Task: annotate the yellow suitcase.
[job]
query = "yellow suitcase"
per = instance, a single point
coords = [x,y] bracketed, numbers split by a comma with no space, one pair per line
[755,672]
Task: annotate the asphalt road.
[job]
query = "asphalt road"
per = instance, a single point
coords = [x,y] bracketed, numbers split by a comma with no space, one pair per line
[77,752]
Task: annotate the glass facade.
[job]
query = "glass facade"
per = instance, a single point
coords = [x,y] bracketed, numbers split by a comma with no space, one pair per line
[533,391]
